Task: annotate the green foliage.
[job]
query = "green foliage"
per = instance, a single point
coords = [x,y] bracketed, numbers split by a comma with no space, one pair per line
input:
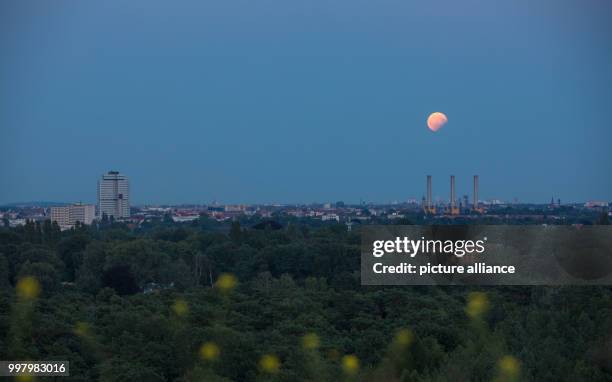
[4,271]
[44,272]
[294,280]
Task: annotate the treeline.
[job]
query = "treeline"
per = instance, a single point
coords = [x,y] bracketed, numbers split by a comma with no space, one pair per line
[127,260]
[261,301]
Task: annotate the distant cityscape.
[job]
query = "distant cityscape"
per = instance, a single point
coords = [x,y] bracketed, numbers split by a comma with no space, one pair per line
[113,203]
[113,195]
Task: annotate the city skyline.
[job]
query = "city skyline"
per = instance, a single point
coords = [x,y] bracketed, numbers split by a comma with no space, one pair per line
[113,197]
[300,103]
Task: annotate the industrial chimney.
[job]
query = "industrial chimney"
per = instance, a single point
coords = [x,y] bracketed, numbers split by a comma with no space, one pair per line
[452,194]
[454,210]
[429,203]
[475,202]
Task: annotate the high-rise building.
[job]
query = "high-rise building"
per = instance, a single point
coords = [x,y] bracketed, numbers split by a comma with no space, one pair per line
[67,216]
[114,195]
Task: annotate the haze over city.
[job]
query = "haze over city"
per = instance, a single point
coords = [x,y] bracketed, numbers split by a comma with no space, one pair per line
[245,102]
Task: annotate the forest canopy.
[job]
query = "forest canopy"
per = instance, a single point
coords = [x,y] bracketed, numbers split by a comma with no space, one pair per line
[255,301]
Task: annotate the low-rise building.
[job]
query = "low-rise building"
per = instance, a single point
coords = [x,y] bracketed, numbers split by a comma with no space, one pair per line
[328,217]
[596,204]
[67,216]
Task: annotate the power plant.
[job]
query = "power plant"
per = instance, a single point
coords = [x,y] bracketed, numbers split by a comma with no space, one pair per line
[453,208]
[429,206]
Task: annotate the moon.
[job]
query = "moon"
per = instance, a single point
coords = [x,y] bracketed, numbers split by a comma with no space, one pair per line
[436,121]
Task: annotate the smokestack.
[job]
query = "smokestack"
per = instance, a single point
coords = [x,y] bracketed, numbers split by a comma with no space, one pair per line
[475,203]
[429,204]
[452,195]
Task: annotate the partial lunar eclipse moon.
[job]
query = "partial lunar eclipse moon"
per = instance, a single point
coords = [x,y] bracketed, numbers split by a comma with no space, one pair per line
[436,121]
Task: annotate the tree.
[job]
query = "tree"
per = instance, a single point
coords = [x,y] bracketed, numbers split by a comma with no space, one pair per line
[203,269]
[235,232]
[44,273]
[70,251]
[121,279]
[4,271]
[51,232]
[603,219]
[88,274]
[118,370]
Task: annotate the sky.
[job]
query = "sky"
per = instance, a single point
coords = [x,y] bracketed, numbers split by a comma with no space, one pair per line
[278,101]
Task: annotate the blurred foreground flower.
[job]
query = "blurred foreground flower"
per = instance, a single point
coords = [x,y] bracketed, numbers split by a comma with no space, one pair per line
[180,307]
[310,341]
[82,329]
[269,363]
[477,304]
[350,364]
[509,367]
[28,288]
[24,378]
[209,351]
[403,338]
[226,282]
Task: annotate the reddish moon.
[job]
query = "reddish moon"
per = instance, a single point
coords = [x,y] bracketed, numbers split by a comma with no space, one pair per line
[436,121]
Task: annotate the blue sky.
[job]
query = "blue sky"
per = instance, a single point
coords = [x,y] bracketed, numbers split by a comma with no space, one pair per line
[299,101]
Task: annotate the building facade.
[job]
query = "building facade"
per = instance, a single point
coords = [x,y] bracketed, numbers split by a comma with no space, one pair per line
[67,216]
[114,196]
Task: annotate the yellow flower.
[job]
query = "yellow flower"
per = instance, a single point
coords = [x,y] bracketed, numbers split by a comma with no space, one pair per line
[310,341]
[269,363]
[82,329]
[477,305]
[226,282]
[28,288]
[209,351]
[350,364]
[404,337]
[509,366]
[180,307]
